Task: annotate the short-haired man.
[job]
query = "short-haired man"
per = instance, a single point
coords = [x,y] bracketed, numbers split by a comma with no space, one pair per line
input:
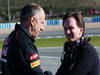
[19,54]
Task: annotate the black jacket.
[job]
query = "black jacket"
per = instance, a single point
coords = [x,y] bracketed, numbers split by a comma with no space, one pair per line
[19,54]
[79,59]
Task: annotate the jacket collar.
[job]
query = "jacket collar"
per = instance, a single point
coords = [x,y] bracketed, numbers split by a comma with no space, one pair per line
[18,26]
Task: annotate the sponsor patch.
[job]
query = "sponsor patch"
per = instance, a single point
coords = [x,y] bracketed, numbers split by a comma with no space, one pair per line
[33,56]
[35,64]
[5,47]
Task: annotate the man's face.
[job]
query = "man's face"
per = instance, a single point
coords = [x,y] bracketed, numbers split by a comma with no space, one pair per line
[38,25]
[71,30]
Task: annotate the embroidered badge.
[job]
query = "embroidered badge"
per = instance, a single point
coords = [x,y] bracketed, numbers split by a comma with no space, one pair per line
[33,56]
[35,64]
[5,47]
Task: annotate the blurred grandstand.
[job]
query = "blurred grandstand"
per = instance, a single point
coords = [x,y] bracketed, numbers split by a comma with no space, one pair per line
[53,8]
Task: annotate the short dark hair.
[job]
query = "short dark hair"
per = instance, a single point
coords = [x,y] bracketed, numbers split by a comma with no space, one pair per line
[28,11]
[78,17]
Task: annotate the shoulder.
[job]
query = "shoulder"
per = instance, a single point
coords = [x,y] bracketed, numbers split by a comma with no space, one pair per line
[66,45]
[89,47]
[90,50]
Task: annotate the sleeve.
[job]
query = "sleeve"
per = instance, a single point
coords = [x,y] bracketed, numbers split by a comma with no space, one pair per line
[85,62]
[30,54]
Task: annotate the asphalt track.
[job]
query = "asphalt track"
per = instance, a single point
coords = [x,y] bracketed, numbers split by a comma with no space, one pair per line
[60,33]
[50,58]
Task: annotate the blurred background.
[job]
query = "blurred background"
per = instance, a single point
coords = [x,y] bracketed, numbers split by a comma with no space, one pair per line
[55,9]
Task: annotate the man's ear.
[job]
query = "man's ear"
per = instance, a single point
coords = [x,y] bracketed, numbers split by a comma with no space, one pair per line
[81,31]
[32,19]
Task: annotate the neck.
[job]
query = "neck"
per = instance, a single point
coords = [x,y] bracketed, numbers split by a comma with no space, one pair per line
[25,25]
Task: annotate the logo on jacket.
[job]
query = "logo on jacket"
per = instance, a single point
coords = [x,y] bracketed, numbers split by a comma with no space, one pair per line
[35,64]
[33,57]
[5,47]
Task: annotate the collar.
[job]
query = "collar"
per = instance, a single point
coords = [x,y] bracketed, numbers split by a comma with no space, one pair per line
[19,26]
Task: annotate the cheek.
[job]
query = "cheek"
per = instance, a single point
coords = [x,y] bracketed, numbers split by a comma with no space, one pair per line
[37,28]
[77,33]
[76,30]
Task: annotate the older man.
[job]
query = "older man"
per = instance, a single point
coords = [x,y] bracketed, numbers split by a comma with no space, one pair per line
[19,54]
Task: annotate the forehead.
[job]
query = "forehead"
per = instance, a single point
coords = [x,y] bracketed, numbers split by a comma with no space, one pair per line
[70,21]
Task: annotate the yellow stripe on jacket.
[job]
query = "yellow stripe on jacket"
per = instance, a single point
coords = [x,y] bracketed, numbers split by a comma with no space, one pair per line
[36,63]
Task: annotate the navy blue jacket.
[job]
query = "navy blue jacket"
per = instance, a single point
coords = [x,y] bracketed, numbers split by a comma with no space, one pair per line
[79,59]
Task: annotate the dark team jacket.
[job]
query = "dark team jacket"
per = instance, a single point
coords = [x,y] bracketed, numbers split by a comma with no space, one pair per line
[20,54]
[79,59]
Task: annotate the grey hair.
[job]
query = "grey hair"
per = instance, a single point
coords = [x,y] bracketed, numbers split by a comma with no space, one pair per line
[30,10]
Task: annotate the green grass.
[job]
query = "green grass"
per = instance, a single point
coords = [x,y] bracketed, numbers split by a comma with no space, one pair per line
[58,42]
[95,41]
[1,43]
[48,42]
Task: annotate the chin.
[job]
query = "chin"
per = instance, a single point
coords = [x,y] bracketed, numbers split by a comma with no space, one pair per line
[36,35]
[71,39]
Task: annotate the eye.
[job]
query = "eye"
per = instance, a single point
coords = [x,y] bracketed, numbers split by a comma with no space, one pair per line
[68,28]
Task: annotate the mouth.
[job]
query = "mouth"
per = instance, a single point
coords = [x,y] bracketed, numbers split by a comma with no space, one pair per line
[69,36]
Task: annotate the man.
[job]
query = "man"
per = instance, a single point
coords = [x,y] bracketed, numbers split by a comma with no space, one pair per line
[19,54]
[79,56]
